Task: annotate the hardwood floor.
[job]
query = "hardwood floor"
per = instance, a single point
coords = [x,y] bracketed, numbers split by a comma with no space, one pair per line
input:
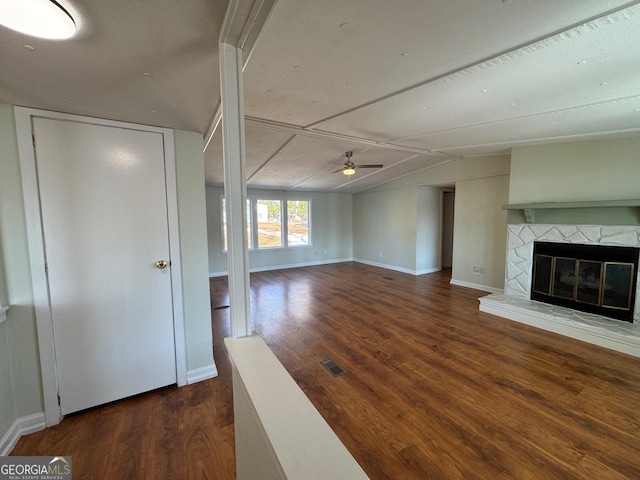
[434,389]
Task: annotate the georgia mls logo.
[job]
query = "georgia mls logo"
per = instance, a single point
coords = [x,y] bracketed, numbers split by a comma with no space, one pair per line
[35,468]
[60,466]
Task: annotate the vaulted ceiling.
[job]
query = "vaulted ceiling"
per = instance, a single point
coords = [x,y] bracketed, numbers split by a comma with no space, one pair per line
[407,84]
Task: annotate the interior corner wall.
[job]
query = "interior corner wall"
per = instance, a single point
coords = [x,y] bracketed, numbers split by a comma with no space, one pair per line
[20,382]
[217,258]
[331,232]
[480,232]
[577,171]
[193,249]
[385,226]
[429,230]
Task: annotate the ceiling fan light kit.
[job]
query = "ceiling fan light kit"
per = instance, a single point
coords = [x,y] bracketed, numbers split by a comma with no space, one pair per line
[38,18]
[350,167]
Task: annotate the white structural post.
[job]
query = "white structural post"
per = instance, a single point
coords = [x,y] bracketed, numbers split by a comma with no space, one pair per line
[240,28]
[235,188]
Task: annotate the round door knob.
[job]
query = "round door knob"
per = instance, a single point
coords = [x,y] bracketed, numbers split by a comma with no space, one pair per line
[161,264]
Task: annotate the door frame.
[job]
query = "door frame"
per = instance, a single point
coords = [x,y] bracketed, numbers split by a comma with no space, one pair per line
[44,322]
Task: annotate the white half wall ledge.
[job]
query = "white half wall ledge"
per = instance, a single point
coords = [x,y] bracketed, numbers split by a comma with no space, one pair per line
[623,337]
[279,433]
[21,426]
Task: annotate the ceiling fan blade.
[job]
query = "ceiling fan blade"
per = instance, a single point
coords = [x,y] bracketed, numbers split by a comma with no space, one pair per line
[338,170]
[368,166]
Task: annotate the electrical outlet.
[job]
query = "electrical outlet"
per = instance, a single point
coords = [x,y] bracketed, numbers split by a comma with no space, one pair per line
[380,254]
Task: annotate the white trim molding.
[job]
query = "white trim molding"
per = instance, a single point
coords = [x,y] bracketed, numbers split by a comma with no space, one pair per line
[396,268]
[21,426]
[476,286]
[202,373]
[269,268]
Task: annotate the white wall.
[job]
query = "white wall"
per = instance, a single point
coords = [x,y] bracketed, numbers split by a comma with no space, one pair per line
[192,220]
[480,232]
[429,230]
[331,218]
[448,204]
[385,227]
[20,385]
[589,170]
[399,228]
[383,217]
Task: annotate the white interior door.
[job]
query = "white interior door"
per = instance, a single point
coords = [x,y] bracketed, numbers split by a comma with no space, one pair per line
[104,221]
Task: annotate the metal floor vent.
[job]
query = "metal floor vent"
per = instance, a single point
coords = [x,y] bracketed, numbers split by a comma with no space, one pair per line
[333,367]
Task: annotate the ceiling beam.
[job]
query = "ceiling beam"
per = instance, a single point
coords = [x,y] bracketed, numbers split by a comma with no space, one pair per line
[311,132]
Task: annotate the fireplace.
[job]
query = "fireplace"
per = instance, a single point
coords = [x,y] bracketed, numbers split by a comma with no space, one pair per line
[598,279]
[516,302]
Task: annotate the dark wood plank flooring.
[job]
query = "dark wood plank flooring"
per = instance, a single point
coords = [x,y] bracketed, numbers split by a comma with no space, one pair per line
[434,389]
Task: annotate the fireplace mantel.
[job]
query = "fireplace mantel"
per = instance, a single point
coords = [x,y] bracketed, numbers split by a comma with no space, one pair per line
[603,212]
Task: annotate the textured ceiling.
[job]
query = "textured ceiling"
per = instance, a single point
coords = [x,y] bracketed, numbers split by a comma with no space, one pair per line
[408,85]
[446,79]
[153,62]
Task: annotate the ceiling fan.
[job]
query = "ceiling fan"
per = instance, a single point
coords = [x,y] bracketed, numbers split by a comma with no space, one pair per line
[349,168]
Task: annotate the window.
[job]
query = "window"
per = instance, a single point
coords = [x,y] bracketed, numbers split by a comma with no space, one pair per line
[224,223]
[274,223]
[269,223]
[298,222]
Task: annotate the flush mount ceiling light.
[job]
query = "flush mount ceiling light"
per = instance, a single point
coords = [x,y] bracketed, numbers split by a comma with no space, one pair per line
[38,18]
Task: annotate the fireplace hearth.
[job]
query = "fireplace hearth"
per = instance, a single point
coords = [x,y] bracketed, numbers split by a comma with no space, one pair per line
[516,304]
[590,278]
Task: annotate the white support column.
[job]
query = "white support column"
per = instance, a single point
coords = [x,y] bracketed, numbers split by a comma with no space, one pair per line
[235,188]
[242,23]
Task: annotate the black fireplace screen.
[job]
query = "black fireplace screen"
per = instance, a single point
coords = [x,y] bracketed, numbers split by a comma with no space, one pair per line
[591,278]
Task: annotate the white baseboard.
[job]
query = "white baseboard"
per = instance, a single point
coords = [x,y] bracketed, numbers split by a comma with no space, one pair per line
[476,286]
[328,262]
[395,268]
[428,270]
[288,265]
[201,373]
[21,426]
[298,265]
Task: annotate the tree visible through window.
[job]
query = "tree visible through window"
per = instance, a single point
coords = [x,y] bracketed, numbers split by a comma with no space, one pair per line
[269,223]
[274,223]
[297,222]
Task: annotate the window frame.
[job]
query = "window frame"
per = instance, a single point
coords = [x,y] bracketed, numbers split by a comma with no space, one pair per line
[252,201]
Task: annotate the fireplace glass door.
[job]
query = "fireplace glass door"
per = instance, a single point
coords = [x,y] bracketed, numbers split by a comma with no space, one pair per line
[590,278]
